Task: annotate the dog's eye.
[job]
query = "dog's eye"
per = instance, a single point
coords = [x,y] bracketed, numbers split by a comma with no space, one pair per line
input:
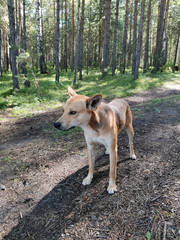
[73,112]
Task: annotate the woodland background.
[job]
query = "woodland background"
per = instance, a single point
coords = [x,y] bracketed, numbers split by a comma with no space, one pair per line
[111,36]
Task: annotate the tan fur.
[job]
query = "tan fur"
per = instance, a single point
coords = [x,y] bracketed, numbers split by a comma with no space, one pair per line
[101,124]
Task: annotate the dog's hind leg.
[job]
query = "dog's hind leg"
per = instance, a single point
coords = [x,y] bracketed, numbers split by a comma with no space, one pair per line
[91,161]
[130,132]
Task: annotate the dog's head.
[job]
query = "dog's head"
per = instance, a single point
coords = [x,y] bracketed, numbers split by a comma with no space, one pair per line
[77,110]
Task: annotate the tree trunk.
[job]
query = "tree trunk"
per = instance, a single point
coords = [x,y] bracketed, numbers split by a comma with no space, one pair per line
[24,35]
[100,35]
[81,41]
[136,70]
[54,15]
[89,38]
[0,55]
[159,39]
[62,37]
[72,41]
[176,50]
[77,45]
[146,54]
[134,36]
[130,34]
[13,43]
[5,51]
[115,39]
[106,37]
[57,41]
[123,56]
[39,38]
[65,38]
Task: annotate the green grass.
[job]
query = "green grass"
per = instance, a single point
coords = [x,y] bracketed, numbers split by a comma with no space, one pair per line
[26,101]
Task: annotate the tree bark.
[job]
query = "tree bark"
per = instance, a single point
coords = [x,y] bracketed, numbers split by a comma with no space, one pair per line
[159,39]
[123,56]
[39,38]
[72,41]
[65,38]
[77,45]
[62,36]
[5,51]
[57,41]
[81,41]
[130,35]
[0,54]
[100,35]
[134,36]
[176,50]
[106,37]
[24,35]
[13,43]
[89,37]
[115,39]
[146,54]
[136,70]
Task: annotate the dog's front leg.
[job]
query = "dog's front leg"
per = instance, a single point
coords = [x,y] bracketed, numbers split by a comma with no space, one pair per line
[91,161]
[113,165]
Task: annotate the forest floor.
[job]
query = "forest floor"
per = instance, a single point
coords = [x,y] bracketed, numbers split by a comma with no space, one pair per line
[41,195]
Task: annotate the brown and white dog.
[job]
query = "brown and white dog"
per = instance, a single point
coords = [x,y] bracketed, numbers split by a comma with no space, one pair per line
[101,124]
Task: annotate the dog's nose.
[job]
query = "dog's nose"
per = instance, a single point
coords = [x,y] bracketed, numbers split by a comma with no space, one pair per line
[57,124]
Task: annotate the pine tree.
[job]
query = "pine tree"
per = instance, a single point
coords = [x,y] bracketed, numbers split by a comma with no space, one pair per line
[13,43]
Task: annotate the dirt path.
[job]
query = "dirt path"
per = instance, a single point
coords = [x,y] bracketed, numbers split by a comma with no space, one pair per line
[42,172]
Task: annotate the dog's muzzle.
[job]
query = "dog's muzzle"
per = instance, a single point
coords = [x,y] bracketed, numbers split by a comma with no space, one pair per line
[59,126]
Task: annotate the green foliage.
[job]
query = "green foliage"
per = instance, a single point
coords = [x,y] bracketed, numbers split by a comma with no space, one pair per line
[148,235]
[25,101]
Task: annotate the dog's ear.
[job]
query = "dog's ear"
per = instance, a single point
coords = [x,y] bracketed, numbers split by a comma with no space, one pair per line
[93,102]
[71,92]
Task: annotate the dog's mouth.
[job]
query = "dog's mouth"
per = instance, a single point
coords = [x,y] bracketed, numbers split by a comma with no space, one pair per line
[60,127]
[67,129]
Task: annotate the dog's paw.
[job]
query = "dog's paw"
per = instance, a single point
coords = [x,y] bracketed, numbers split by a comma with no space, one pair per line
[87,181]
[133,156]
[112,189]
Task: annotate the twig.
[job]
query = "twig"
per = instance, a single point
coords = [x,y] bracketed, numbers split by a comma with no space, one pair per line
[164,231]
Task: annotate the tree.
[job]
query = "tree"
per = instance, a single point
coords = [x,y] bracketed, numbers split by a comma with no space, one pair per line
[176,50]
[146,54]
[24,35]
[136,70]
[159,38]
[123,56]
[39,38]
[72,40]
[77,45]
[89,38]
[80,61]
[115,39]
[65,38]
[134,36]
[106,36]
[130,35]
[0,54]
[13,43]
[57,41]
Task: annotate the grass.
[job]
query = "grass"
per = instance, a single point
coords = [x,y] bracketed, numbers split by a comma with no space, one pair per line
[26,101]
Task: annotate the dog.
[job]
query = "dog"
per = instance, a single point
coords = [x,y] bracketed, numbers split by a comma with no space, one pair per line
[101,123]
